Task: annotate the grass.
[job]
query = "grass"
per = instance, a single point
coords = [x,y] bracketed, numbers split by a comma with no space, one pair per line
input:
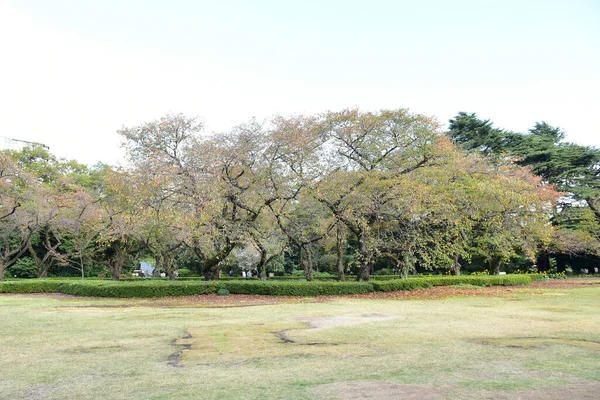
[534,341]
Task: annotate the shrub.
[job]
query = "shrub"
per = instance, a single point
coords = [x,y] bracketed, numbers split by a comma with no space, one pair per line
[327,277]
[223,292]
[481,280]
[384,271]
[161,288]
[296,288]
[31,286]
[184,272]
[137,289]
[24,268]
[538,277]
[385,277]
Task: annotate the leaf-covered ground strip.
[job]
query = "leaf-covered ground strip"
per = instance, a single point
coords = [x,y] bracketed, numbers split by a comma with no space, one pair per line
[539,342]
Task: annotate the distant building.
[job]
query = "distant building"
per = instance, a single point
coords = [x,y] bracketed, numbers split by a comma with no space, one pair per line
[146,268]
[7,143]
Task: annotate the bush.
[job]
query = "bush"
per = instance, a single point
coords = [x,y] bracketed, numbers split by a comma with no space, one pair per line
[296,288]
[385,277]
[137,289]
[223,292]
[24,268]
[481,280]
[161,288]
[184,272]
[384,271]
[31,286]
[538,277]
[298,278]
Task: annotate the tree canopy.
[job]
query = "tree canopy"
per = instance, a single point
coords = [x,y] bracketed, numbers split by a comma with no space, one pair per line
[364,190]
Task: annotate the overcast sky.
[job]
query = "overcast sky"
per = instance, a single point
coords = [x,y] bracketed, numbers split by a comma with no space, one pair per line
[73,72]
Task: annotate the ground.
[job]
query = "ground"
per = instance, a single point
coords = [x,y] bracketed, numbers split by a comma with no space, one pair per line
[541,342]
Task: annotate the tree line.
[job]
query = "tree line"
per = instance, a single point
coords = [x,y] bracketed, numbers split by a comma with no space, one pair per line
[347,191]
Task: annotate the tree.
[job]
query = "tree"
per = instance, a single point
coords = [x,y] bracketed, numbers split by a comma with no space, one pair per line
[573,169]
[21,199]
[370,153]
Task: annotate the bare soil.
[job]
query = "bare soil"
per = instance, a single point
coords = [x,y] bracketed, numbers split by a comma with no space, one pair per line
[377,390]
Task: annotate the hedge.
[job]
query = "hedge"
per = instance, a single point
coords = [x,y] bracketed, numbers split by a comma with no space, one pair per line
[296,288]
[31,286]
[538,277]
[161,288]
[481,280]
[137,289]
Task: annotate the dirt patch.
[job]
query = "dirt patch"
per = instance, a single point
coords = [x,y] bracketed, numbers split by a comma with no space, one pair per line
[39,392]
[181,344]
[377,390]
[343,320]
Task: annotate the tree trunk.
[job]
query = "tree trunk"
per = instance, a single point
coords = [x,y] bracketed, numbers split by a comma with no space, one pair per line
[307,263]
[561,265]
[363,260]
[402,269]
[81,264]
[340,251]
[41,263]
[115,269]
[543,261]
[2,268]
[116,262]
[211,269]
[167,266]
[456,269]
[494,267]
[262,264]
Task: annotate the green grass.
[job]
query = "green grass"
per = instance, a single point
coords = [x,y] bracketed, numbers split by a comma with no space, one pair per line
[460,347]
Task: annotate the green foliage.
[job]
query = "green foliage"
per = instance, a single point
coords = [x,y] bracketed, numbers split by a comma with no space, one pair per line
[223,292]
[302,278]
[420,283]
[296,288]
[384,271]
[184,272]
[24,268]
[136,289]
[162,288]
[31,286]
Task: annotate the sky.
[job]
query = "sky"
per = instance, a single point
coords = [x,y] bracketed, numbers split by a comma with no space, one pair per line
[73,72]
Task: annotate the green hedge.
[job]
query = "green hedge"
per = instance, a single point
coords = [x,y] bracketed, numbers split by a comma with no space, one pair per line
[296,288]
[137,289]
[31,286]
[161,288]
[538,277]
[420,283]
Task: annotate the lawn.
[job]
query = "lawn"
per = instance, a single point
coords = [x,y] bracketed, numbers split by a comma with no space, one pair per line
[530,343]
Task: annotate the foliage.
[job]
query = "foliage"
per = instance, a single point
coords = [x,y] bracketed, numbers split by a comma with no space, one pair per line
[31,286]
[136,289]
[162,288]
[24,268]
[348,192]
[573,169]
[419,283]
[296,288]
